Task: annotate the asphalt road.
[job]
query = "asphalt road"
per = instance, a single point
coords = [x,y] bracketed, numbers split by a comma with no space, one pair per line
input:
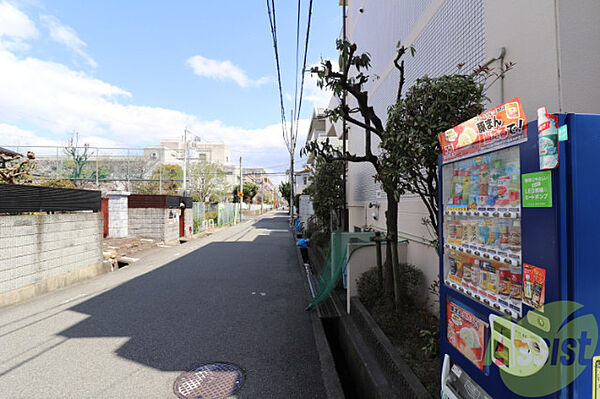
[236,296]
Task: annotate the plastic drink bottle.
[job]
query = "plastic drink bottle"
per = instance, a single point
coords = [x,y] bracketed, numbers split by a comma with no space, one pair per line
[547,139]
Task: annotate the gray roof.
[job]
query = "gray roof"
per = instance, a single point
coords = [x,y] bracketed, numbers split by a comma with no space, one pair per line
[8,152]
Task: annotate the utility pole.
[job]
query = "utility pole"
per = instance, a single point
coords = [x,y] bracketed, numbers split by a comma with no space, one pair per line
[292,152]
[241,189]
[184,160]
[344,128]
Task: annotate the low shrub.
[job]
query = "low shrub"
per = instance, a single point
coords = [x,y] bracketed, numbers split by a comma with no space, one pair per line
[369,289]
[412,328]
[320,239]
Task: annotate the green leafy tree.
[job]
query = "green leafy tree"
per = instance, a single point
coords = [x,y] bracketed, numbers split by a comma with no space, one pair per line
[410,145]
[463,102]
[166,179]
[207,181]
[57,183]
[326,189]
[285,190]
[250,190]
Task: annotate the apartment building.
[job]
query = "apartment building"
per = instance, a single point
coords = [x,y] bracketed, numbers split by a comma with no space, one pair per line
[171,152]
[552,44]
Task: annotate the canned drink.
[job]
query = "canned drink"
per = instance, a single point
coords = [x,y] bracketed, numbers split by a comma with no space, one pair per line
[504,281]
[466,275]
[483,276]
[475,274]
[516,283]
[452,266]
[492,277]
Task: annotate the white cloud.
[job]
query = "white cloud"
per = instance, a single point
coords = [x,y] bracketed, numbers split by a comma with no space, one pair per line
[15,136]
[58,100]
[67,36]
[42,103]
[313,93]
[222,70]
[15,28]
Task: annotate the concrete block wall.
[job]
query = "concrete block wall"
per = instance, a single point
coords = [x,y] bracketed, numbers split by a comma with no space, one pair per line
[37,248]
[118,214]
[147,223]
[171,225]
[156,223]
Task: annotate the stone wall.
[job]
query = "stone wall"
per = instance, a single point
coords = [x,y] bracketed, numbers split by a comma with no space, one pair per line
[39,253]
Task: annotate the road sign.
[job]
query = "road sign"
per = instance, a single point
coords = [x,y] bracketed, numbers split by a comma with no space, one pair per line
[240,194]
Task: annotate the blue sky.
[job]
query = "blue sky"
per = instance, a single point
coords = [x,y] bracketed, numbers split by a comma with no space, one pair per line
[129,73]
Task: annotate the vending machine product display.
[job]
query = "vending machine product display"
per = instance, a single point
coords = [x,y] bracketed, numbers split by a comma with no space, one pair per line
[518,258]
[482,229]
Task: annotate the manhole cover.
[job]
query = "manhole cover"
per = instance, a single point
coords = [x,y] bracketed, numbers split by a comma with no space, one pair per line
[210,381]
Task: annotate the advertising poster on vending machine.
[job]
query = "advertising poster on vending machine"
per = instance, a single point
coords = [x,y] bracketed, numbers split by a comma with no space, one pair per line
[497,128]
[466,332]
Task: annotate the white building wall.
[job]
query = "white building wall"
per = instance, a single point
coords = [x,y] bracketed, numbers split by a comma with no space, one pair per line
[552,43]
[554,47]
[444,34]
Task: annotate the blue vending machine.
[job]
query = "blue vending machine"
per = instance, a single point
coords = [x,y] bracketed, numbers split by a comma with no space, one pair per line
[519,264]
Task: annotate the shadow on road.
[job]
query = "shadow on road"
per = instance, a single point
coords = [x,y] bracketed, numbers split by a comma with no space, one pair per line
[231,301]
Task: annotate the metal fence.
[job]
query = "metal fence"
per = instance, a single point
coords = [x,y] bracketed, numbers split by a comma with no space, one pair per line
[214,215]
[138,170]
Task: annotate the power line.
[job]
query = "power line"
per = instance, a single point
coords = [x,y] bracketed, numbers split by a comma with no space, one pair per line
[273,24]
[304,62]
[295,116]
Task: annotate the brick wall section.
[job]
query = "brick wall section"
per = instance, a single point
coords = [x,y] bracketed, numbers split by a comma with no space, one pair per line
[35,248]
[154,223]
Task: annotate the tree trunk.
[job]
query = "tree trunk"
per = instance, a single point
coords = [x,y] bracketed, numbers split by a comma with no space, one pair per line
[391,277]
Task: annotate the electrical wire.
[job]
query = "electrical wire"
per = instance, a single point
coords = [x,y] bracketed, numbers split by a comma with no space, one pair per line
[295,115]
[273,24]
[304,62]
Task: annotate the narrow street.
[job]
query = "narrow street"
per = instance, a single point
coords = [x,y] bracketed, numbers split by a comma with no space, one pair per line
[236,296]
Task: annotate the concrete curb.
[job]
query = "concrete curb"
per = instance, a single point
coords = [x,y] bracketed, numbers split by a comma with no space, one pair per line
[331,380]
[371,358]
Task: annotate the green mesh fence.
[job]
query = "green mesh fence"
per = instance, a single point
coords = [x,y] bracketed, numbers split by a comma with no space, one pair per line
[199,215]
[335,264]
[228,213]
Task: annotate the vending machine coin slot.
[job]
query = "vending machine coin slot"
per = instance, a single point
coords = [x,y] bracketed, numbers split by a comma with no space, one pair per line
[539,321]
